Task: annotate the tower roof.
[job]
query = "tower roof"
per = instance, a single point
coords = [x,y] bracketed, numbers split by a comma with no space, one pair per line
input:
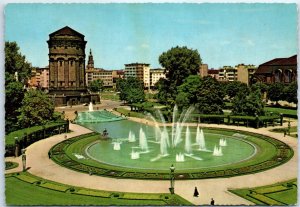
[66,31]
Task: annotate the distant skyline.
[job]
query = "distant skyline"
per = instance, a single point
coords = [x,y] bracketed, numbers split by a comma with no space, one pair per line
[118,34]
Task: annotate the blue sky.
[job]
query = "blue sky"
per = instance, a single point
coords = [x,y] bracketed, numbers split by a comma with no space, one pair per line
[223,34]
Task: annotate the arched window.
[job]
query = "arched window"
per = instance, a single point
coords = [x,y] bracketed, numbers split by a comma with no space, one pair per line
[288,75]
[277,75]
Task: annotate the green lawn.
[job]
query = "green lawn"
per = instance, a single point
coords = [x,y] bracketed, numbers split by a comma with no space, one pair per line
[19,191]
[281,110]
[107,95]
[293,131]
[130,113]
[284,193]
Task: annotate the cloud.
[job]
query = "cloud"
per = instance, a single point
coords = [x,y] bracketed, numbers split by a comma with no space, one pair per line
[248,42]
[144,45]
[130,48]
[225,42]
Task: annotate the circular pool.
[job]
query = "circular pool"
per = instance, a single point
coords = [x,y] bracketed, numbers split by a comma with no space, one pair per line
[220,153]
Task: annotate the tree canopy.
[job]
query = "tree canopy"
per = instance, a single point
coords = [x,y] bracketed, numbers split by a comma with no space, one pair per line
[96,85]
[17,71]
[275,92]
[131,90]
[179,63]
[290,93]
[249,105]
[234,87]
[204,93]
[37,109]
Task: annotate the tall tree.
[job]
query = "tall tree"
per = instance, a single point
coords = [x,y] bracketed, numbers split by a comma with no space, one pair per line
[205,94]
[17,71]
[249,105]
[37,109]
[16,62]
[179,63]
[234,87]
[275,92]
[290,92]
[131,90]
[96,86]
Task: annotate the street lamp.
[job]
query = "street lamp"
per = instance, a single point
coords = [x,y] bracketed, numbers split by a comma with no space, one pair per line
[172,179]
[24,159]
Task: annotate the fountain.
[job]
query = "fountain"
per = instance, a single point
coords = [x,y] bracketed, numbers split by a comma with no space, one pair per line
[223,143]
[131,137]
[143,144]
[135,155]
[187,146]
[180,157]
[217,151]
[91,107]
[117,145]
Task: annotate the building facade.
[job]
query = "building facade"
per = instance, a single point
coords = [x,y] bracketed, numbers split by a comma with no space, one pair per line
[213,73]
[203,70]
[240,72]
[67,68]
[141,71]
[155,75]
[39,78]
[107,76]
[283,70]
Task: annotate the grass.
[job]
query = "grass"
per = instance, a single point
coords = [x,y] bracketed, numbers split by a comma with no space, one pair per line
[108,95]
[130,113]
[284,193]
[49,193]
[293,131]
[281,110]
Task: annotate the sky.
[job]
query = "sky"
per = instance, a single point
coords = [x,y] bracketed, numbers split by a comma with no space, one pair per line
[118,34]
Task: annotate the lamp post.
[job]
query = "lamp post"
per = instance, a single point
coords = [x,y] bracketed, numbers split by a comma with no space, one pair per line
[172,179]
[23,159]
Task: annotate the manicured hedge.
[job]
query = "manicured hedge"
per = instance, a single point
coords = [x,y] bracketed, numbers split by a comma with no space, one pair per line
[23,138]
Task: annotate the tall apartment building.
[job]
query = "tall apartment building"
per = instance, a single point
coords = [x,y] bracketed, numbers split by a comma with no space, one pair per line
[245,73]
[227,73]
[241,72]
[139,70]
[155,75]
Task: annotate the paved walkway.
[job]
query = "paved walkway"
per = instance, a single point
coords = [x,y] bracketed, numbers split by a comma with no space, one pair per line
[40,165]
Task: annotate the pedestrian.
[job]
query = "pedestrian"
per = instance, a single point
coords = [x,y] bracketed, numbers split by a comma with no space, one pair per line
[196,193]
[212,202]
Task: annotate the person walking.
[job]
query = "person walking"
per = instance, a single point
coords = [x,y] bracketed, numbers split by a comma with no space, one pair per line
[196,193]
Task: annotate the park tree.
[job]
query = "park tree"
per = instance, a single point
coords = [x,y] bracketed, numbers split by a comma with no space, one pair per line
[16,62]
[290,93]
[96,85]
[262,87]
[37,109]
[179,63]
[210,97]
[275,92]
[188,91]
[232,88]
[249,105]
[17,71]
[205,94]
[131,90]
